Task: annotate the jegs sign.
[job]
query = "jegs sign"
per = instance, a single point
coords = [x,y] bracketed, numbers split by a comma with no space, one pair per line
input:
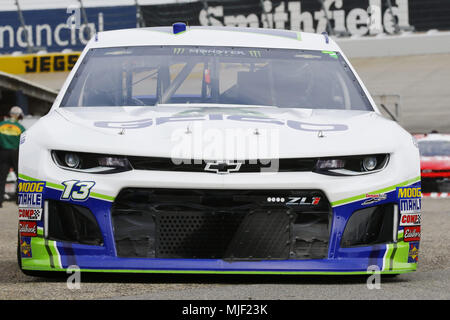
[60,62]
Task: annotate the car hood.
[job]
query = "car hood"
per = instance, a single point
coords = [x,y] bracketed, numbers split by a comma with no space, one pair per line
[218,132]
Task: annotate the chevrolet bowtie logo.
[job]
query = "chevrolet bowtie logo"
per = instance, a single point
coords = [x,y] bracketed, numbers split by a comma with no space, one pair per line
[222,167]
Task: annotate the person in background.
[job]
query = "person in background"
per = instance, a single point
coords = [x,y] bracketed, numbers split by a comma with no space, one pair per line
[10,131]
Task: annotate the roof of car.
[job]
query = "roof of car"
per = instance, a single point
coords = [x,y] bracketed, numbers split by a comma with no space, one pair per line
[215,36]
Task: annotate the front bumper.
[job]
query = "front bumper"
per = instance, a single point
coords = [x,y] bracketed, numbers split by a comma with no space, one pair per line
[39,251]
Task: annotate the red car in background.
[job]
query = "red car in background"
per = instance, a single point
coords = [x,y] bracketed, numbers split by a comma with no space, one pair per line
[435,163]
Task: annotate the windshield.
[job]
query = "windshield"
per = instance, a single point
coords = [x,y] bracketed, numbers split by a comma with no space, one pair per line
[434,148]
[149,76]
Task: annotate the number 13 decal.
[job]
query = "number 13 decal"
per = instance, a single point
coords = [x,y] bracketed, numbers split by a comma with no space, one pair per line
[77,190]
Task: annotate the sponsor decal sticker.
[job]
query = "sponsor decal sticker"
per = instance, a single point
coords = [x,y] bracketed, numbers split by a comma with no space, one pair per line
[25,247]
[410,205]
[411,234]
[33,200]
[32,187]
[413,254]
[296,125]
[33,214]
[408,192]
[31,194]
[28,228]
[410,219]
[372,198]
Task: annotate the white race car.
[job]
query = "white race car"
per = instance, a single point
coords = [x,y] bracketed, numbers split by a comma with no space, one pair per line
[217,150]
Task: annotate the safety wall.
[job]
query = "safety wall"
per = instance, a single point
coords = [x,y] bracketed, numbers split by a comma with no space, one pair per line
[54,30]
[353,17]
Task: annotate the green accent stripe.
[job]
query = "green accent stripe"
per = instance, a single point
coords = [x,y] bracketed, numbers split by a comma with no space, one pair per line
[363,196]
[61,187]
[101,196]
[50,254]
[391,260]
[24,177]
[54,186]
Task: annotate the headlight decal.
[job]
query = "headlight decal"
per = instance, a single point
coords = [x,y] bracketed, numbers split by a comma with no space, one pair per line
[352,165]
[90,162]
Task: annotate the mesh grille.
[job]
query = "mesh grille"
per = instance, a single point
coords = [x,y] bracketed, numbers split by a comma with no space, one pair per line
[221,224]
[194,235]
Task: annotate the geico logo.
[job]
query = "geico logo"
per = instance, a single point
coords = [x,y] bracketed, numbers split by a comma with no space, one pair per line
[409,193]
[31,186]
[51,63]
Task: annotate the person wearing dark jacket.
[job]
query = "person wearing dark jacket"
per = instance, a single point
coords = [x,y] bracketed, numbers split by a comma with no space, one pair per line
[10,131]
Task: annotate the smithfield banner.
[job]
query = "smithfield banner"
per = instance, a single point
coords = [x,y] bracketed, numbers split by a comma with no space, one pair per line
[349,17]
[49,29]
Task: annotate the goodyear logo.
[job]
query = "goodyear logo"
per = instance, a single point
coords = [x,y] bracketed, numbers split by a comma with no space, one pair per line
[32,187]
[408,192]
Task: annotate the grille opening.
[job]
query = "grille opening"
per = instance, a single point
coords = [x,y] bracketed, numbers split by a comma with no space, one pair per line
[221,224]
[72,223]
[370,226]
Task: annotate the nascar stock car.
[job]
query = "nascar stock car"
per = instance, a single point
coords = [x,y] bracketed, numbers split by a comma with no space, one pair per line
[217,150]
[435,163]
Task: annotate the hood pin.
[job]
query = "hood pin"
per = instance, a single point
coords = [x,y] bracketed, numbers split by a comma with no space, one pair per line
[321,134]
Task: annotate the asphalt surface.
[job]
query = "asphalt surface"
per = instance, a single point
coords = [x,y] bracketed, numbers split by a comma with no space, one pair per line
[431,281]
[421,81]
